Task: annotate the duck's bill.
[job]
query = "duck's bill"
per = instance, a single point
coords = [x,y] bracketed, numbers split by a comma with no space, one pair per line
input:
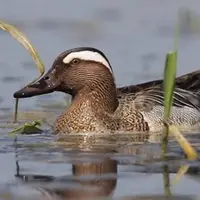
[47,84]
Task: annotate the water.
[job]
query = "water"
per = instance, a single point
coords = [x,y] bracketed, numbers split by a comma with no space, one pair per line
[135,36]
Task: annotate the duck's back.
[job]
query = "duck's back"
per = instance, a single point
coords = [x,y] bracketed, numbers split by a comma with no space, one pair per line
[148,99]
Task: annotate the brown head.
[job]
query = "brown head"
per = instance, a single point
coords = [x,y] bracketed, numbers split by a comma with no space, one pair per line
[75,71]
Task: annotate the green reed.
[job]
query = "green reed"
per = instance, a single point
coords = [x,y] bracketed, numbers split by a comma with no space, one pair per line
[169,86]
[170,69]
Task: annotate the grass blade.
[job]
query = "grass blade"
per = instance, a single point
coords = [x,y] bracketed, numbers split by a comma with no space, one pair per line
[16,110]
[22,39]
[190,152]
[169,85]
[169,82]
[166,181]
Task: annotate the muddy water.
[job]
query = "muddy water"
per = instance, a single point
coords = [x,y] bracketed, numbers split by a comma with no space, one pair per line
[135,35]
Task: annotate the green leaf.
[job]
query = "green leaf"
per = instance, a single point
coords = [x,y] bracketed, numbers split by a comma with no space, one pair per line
[169,82]
[28,128]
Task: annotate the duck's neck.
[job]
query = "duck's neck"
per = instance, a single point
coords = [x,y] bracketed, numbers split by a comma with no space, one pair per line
[102,96]
[91,102]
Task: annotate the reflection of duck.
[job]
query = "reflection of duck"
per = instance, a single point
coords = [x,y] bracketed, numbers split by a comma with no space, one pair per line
[91,187]
[86,74]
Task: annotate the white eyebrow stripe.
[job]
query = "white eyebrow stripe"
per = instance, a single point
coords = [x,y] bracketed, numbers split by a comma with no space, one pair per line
[88,55]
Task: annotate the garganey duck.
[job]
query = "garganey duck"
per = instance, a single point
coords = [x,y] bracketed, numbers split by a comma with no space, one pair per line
[98,106]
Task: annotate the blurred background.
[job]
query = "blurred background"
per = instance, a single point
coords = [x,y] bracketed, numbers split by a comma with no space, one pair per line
[134,35]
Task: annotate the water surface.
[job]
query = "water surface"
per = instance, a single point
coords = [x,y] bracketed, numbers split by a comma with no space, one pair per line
[135,36]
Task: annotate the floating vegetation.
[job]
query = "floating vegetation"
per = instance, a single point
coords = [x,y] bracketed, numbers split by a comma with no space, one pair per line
[28,128]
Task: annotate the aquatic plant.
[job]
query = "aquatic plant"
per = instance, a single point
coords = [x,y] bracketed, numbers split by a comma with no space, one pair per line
[169,86]
[22,39]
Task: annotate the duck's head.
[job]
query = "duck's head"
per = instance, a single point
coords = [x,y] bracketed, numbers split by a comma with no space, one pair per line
[72,71]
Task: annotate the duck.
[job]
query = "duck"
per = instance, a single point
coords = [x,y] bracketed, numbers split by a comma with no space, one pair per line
[99,106]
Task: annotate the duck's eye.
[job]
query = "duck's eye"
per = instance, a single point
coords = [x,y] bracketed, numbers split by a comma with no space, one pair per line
[75,61]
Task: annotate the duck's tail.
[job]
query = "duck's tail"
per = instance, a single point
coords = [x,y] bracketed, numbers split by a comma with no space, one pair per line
[189,82]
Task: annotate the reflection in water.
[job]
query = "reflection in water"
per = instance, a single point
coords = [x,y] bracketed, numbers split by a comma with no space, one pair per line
[89,180]
[94,165]
[102,186]
[91,166]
